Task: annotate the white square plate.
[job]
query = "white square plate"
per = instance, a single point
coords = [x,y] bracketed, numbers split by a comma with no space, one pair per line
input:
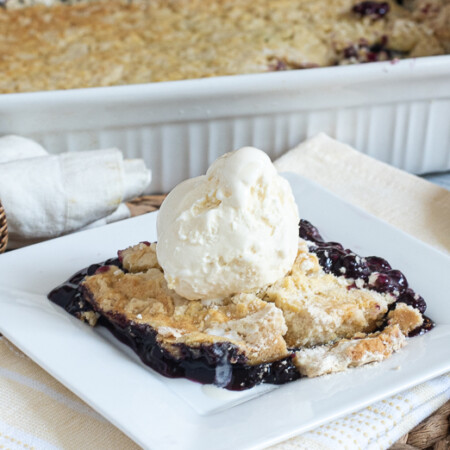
[157,412]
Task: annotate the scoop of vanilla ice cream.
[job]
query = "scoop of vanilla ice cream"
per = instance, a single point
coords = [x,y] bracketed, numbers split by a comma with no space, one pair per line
[232,230]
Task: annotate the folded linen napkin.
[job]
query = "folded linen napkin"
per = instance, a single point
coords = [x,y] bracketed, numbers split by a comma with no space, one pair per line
[13,148]
[36,410]
[45,196]
[412,204]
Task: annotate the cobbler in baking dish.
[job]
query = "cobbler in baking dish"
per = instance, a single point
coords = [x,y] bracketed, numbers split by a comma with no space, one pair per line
[334,310]
[88,43]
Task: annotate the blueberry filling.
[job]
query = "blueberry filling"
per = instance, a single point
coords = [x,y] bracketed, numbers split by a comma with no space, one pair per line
[202,364]
[362,52]
[374,272]
[222,363]
[376,10]
[207,364]
[427,325]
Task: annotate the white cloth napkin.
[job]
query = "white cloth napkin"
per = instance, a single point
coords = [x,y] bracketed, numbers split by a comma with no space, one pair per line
[45,196]
[13,148]
[407,202]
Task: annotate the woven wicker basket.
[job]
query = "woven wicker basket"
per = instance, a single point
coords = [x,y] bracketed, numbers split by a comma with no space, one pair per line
[3,230]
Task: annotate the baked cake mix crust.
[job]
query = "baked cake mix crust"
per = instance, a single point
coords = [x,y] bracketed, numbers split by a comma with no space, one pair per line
[309,323]
[118,42]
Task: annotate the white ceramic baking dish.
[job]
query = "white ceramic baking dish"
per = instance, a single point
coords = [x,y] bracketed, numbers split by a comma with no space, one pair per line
[398,112]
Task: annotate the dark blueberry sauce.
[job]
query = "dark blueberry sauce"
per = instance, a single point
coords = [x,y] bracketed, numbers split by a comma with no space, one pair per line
[375,272]
[362,52]
[219,363]
[427,325]
[69,296]
[222,363]
[375,10]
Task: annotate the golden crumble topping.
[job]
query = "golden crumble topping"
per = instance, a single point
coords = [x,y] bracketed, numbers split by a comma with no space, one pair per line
[143,297]
[320,307]
[117,42]
[406,317]
[362,349]
[331,320]
[313,362]
[139,257]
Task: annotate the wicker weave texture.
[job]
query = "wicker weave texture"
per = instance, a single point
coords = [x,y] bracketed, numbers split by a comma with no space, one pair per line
[431,434]
[145,204]
[3,230]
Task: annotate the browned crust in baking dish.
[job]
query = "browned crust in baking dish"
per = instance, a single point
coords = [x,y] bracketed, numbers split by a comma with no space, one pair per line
[117,42]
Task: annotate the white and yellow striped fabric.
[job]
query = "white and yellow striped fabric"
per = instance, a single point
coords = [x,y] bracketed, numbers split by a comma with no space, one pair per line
[378,426]
[36,411]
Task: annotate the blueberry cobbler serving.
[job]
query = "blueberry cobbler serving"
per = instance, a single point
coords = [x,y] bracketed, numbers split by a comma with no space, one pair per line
[66,44]
[238,291]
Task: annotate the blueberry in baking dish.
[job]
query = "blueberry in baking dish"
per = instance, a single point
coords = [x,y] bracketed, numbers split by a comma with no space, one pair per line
[334,310]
